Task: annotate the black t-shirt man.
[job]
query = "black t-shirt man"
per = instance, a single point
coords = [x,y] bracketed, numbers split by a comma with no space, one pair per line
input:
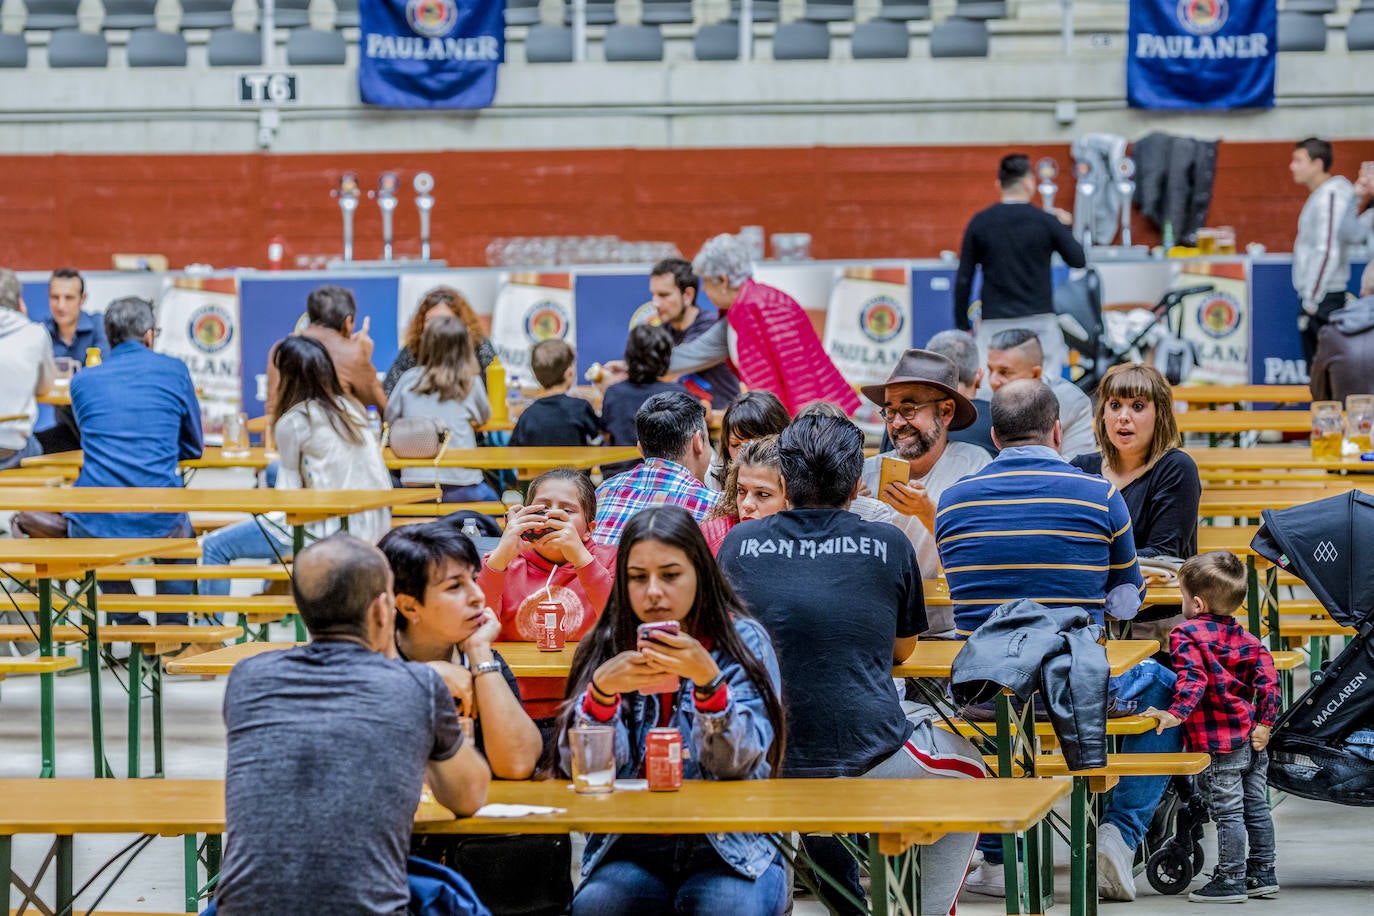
[1014,243]
[835,592]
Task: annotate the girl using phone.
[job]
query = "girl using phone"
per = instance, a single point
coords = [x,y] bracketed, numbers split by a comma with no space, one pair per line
[547,553]
[726,709]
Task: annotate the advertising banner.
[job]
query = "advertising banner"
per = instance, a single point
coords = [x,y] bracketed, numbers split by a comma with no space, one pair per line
[531,307]
[199,320]
[1202,53]
[868,325]
[1217,323]
[430,53]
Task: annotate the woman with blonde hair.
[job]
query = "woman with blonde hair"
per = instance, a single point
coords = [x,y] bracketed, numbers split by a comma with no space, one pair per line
[440,302]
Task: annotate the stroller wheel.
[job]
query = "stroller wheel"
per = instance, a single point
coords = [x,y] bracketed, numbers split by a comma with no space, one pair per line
[1169,870]
[1199,858]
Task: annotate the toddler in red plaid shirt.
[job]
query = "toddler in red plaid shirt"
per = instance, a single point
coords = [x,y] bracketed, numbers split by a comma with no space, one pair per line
[1226,699]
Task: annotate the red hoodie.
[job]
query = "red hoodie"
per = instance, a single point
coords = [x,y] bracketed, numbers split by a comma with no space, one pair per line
[513,594]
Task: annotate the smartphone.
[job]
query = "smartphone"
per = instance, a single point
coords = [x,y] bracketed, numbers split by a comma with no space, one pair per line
[669,682]
[534,534]
[892,470]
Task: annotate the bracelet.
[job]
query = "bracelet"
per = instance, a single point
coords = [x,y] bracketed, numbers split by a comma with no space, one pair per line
[482,668]
[597,693]
[707,691]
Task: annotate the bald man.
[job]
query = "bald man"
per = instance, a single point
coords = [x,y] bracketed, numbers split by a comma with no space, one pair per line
[329,744]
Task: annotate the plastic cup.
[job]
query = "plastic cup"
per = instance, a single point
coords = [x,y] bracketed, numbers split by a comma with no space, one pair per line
[1359,422]
[593,759]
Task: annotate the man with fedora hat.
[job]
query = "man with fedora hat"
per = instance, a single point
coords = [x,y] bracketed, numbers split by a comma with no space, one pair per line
[921,405]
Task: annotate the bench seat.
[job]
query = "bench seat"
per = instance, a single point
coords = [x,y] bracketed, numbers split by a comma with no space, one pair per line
[38,665]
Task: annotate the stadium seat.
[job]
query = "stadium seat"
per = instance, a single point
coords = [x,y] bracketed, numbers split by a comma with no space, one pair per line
[14,51]
[289,14]
[151,48]
[312,47]
[207,14]
[548,44]
[1359,31]
[880,38]
[1310,6]
[234,48]
[633,42]
[599,12]
[829,11]
[718,41]
[904,12]
[763,10]
[959,38]
[345,14]
[980,9]
[801,41]
[518,12]
[47,15]
[130,14]
[70,48]
[1302,32]
[664,12]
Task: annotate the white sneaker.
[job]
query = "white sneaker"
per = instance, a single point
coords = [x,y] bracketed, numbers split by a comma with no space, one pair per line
[1115,880]
[987,879]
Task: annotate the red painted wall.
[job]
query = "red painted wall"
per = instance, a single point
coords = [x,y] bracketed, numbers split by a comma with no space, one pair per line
[857,202]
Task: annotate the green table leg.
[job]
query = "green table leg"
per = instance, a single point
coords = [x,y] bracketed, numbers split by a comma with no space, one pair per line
[135,709]
[64,874]
[155,688]
[47,698]
[1005,757]
[297,545]
[1083,852]
[6,844]
[102,766]
[191,872]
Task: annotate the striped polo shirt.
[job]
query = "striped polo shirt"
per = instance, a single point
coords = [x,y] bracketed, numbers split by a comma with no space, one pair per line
[1030,525]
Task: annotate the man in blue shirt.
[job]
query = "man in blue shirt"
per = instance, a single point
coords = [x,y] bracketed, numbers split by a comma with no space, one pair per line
[73,332]
[674,286]
[138,416]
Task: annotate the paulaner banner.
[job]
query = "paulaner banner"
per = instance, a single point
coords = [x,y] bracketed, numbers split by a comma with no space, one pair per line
[430,53]
[1202,53]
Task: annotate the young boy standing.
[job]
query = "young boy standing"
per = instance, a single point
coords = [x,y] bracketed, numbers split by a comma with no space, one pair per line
[1226,699]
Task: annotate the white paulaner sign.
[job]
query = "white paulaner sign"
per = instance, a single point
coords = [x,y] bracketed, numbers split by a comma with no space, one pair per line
[1218,323]
[868,326]
[199,319]
[530,308]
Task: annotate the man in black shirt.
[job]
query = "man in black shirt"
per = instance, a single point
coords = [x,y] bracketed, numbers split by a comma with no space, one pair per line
[1013,241]
[674,287]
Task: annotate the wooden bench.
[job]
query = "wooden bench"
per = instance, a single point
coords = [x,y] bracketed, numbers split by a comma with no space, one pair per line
[35,665]
[427,510]
[1123,765]
[183,571]
[254,608]
[1122,725]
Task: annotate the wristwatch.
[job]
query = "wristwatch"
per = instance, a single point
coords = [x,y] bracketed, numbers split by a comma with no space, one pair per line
[706,691]
[482,668]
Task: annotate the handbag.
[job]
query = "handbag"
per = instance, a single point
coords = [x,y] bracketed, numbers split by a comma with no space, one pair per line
[513,874]
[417,437]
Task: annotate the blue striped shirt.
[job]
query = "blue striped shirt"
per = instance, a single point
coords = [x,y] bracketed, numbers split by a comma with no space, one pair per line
[1030,525]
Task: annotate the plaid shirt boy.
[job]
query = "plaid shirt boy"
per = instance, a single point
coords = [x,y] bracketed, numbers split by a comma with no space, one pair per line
[656,482]
[1226,683]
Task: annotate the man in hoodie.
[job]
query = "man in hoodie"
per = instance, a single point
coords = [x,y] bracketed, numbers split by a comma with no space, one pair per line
[1344,363]
[26,354]
[1320,267]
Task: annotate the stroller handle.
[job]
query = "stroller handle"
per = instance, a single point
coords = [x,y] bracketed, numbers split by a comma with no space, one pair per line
[1174,296]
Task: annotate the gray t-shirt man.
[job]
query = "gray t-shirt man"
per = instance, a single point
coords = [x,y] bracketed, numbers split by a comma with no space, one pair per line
[327,750]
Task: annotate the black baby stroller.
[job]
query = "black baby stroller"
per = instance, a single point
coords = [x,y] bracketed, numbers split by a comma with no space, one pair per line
[1177,857]
[1329,544]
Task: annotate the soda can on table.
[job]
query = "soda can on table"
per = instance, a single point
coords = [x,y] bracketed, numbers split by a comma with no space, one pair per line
[663,759]
[549,626]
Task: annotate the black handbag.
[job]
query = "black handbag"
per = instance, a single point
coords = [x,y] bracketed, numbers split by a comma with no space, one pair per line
[513,874]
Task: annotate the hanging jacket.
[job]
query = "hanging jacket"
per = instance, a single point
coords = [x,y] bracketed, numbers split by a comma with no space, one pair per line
[1174,178]
[1026,647]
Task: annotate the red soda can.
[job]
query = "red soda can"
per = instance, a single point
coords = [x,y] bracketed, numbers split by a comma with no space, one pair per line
[548,626]
[663,759]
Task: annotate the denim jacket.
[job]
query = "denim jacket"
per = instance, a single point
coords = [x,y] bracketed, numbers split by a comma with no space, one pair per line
[732,744]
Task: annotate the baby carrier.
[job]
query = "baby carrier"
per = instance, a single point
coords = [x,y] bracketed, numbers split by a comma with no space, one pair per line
[1320,747]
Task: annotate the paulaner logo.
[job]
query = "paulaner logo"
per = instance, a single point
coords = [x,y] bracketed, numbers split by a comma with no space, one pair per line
[1346,693]
[1201,19]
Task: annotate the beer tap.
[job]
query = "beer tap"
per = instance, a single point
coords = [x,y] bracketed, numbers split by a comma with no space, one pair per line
[424,202]
[1047,170]
[1084,193]
[386,202]
[347,195]
[1125,187]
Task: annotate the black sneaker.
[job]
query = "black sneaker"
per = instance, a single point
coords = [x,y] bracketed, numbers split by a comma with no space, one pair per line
[1220,890]
[1262,883]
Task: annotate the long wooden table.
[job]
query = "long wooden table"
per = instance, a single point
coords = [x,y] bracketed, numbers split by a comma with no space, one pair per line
[899,813]
[52,561]
[1242,501]
[1244,421]
[1271,457]
[1242,394]
[523,458]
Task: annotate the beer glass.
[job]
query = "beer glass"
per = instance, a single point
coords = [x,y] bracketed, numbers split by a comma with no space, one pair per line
[1326,430]
[593,759]
[1359,420]
[236,436]
[1206,242]
[1226,240]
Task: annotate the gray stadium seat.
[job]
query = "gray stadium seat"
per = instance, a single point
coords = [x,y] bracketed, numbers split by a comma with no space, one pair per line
[904,12]
[548,44]
[880,38]
[718,41]
[14,51]
[70,48]
[50,14]
[1302,32]
[764,10]
[599,12]
[663,12]
[980,9]
[1359,31]
[151,48]
[234,48]
[1310,6]
[289,14]
[829,11]
[801,41]
[959,38]
[312,47]
[633,42]
[346,14]
[519,12]
[207,14]
[129,14]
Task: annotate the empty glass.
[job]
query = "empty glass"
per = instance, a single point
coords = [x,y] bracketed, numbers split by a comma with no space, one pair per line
[66,368]
[1327,430]
[236,443]
[593,759]
[1359,421]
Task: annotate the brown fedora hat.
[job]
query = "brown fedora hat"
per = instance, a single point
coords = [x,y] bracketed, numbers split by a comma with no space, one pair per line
[924,367]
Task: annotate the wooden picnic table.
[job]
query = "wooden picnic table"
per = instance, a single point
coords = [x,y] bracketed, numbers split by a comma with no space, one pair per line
[900,813]
[1243,394]
[1282,458]
[1247,501]
[1243,421]
[523,458]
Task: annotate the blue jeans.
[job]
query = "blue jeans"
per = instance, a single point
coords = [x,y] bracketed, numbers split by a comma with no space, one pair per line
[643,875]
[1235,787]
[243,540]
[1133,802]
[125,587]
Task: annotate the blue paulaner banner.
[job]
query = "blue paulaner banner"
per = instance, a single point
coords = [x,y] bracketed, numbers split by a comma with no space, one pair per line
[1202,54]
[430,53]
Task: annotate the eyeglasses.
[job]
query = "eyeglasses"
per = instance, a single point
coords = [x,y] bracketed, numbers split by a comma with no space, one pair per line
[906,411]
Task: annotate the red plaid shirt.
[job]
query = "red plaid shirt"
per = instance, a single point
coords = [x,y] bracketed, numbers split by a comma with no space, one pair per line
[1226,683]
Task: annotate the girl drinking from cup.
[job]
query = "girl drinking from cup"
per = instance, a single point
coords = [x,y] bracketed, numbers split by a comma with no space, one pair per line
[725,708]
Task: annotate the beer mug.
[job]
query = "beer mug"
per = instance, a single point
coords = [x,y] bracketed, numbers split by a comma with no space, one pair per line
[1359,421]
[1226,240]
[1206,242]
[235,443]
[1327,430]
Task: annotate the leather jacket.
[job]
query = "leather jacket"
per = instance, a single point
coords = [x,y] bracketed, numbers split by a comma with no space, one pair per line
[1026,647]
